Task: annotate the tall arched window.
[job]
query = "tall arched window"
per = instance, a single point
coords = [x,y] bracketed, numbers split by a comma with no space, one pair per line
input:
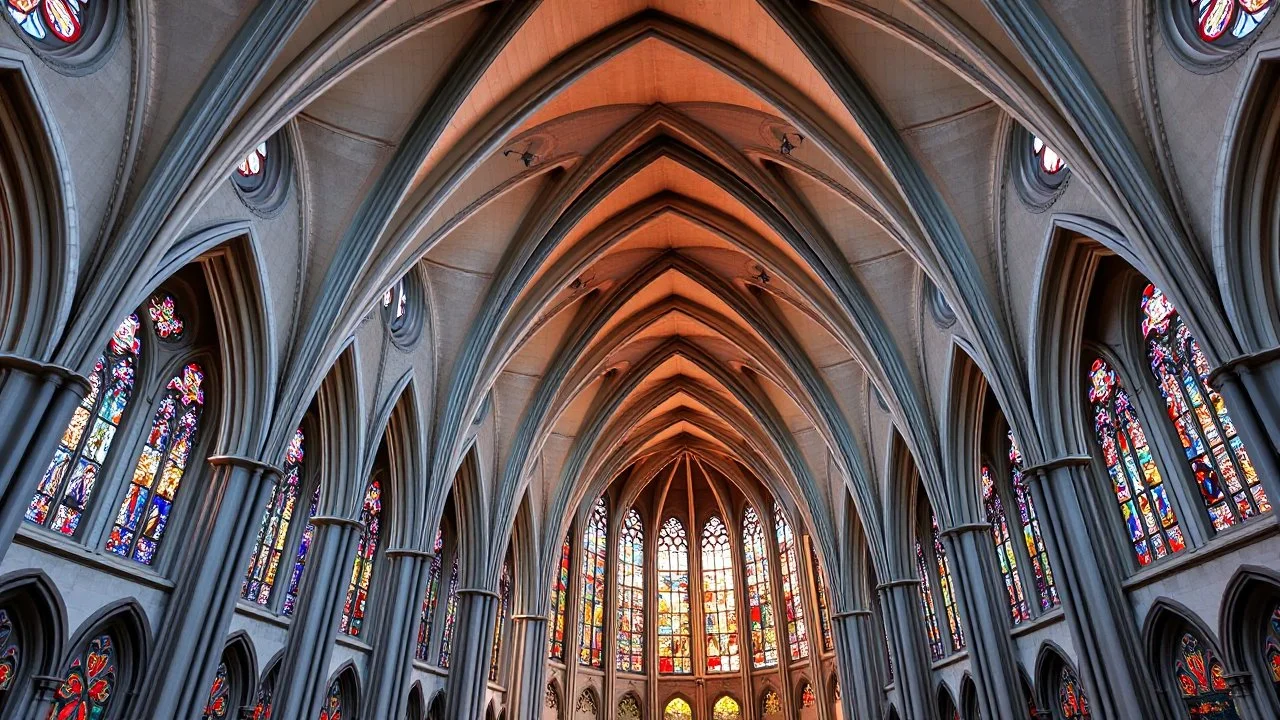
[1148,515]
[1202,682]
[595,552]
[144,514]
[273,531]
[726,708]
[504,609]
[927,611]
[631,623]
[1071,698]
[560,601]
[947,587]
[89,687]
[1046,590]
[1271,648]
[1004,547]
[61,499]
[263,696]
[677,709]
[219,701]
[718,600]
[334,702]
[824,610]
[10,655]
[300,558]
[764,632]
[1228,483]
[675,651]
[797,634]
[450,615]
[432,596]
[362,569]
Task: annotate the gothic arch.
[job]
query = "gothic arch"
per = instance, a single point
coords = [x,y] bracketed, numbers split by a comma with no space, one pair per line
[969,709]
[1166,622]
[38,617]
[436,710]
[348,680]
[946,703]
[1051,661]
[242,663]
[126,622]
[417,709]
[1252,596]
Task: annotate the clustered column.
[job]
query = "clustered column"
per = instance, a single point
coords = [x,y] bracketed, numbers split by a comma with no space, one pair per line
[855,641]
[391,667]
[900,600]
[528,642]
[469,669]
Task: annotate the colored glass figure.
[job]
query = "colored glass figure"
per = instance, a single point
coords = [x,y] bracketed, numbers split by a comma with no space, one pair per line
[362,569]
[1228,483]
[50,20]
[797,633]
[10,655]
[273,531]
[675,649]
[1071,698]
[431,598]
[262,698]
[1202,682]
[770,703]
[67,484]
[1005,556]
[1271,648]
[254,161]
[807,698]
[1226,20]
[824,611]
[560,601]
[1148,515]
[631,624]
[1046,590]
[163,311]
[629,708]
[333,702]
[504,609]
[300,559]
[764,626]
[1051,163]
[144,514]
[586,705]
[677,709]
[719,608]
[86,693]
[726,708]
[219,695]
[947,587]
[595,552]
[927,611]
[450,615]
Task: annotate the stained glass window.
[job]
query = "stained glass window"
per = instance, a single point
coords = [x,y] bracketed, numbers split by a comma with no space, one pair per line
[824,611]
[1005,556]
[1201,681]
[395,296]
[90,683]
[1051,163]
[807,697]
[362,569]
[50,20]
[947,587]
[1046,590]
[770,703]
[719,607]
[764,629]
[10,655]
[1150,519]
[677,709]
[60,500]
[450,615]
[560,601]
[595,550]
[726,708]
[927,611]
[629,708]
[504,609]
[262,698]
[631,623]
[1228,483]
[273,531]
[144,514]
[163,311]
[254,161]
[797,634]
[300,558]
[1071,698]
[432,596]
[333,702]
[1225,20]
[675,651]
[1271,648]
[219,695]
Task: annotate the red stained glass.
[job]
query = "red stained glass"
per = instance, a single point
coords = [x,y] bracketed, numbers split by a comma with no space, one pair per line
[10,654]
[333,703]
[824,611]
[1271,648]
[927,611]
[947,587]
[273,531]
[253,162]
[162,309]
[353,611]
[764,630]
[807,698]
[592,599]
[1046,590]
[1225,20]
[797,632]
[1005,556]
[86,692]
[1071,698]
[631,626]
[50,20]
[1201,681]
[219,702]
[719,604]
[431,598]
[560,601]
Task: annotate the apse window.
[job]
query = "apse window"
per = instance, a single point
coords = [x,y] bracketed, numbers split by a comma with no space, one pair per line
[260,178]
[1042,171]
[1215,32]
[67,33]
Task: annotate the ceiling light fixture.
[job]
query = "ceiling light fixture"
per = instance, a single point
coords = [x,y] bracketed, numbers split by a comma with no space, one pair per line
[786,146]
[525,156]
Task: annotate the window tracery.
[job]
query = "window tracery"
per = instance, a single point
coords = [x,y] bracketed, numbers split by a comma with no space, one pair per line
[675,653]
[450,615]
[586,707]
[764,632]
[219,701]
[62,21]
[1046,590]
[560,601]
[631,624]
[595,548]
[770,703]
[431,597]
[1271,648]
[333,702]
[1222,20]
[1071,698]
[10,654]
[726,708]
[629,708]
[1201,681]
[89,687]
[718,600]
[677,709]
[353,610]
[1005,557]
[273,531]
[947,587]
[262,697]
[797,634]
[807,697]
[929,614]
[1050,162]
[300,557]
[824,611]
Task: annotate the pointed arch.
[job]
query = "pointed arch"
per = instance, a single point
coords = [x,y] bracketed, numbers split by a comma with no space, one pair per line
[1250,629]
[32,633]
[109,651]
[1187,661]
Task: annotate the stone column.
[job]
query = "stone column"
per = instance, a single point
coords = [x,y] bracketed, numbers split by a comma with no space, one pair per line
[391,666]
[42,702]
[900,601]
[528,640]
[212,567]
[986,613]
[304,672]
[36,400]
[1101,624]
[469,658]
[854,633]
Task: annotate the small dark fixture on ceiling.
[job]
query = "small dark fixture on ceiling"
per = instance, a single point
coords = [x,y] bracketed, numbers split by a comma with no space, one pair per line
[786,146]
[762,275]
[525,156]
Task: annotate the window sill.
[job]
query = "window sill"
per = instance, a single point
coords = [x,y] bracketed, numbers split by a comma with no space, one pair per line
[356,644]
[1048,617]
[952,659]
[429,669]
[75,552]
[1233,539]
[258,612]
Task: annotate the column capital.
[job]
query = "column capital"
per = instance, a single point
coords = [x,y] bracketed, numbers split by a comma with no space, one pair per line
[901,582]
[966,528]
[247,463]
[399,552]
[850,614]
[1231,368]
[1058,462]
[336,520]
[64,375]
[478,591]
[1240,683]
[530,618]
[47,682]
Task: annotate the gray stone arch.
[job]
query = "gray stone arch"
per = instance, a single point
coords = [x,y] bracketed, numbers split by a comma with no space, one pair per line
[38,616]
[417,709]
[126,623]
[1251,598]
[1051,661]
[242,664]
[1166,623]
[969,709]
[435,711]
[945,703]
[347,679]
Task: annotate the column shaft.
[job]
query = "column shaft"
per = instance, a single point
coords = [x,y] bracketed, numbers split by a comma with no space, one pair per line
[854,635]
[469,660]
[528,638]
[392,663]
[900,601]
